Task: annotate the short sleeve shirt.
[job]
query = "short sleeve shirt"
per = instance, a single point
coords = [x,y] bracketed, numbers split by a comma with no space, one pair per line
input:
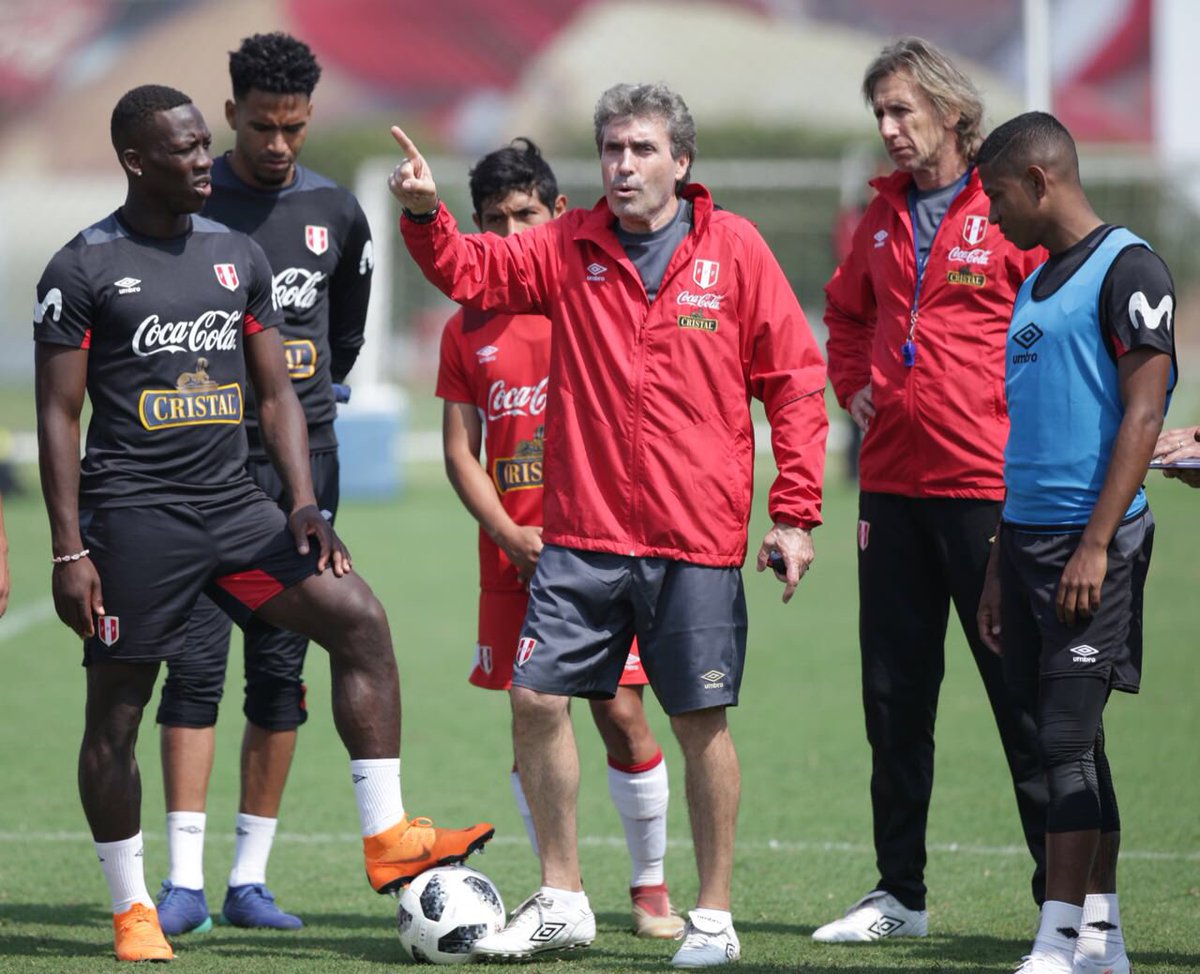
[164,323]
[500,363]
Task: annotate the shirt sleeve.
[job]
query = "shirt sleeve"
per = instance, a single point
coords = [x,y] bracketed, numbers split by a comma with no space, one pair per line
[349,294]
[64,305]
[1137,305]
[262,310]
[850,318]
[453,383]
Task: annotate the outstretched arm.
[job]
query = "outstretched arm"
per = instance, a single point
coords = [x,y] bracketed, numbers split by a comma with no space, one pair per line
[411,182]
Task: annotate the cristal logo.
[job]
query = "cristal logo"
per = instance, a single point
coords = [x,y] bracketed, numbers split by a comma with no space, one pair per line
[296,288]
[516,401]
[211,331]
[711,301]
[976,256]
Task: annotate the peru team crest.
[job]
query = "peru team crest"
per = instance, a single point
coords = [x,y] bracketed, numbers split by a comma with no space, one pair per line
[226,276]
[974,229]
[864,535]
[316,239]
[525,648]
[108,628]
[704,272]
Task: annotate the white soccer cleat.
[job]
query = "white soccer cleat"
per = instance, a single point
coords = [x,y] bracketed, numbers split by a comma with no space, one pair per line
[706,944]
[877,916]
[537,925]
[1043,963]
[1085,965]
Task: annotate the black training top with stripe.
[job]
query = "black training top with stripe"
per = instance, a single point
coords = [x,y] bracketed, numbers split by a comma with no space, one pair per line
[164,323]
[319,245]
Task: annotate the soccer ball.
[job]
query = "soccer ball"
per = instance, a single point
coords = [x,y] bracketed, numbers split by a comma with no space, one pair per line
[444,911]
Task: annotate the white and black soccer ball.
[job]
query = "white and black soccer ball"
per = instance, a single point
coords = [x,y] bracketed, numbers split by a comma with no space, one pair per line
[444,911]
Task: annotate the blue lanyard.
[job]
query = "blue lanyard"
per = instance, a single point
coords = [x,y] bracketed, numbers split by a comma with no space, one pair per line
[908,351]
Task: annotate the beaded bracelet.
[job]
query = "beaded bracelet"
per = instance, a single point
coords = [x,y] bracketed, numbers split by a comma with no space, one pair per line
[63,559]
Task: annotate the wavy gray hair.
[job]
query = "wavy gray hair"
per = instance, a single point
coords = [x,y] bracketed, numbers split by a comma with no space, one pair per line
[649,101]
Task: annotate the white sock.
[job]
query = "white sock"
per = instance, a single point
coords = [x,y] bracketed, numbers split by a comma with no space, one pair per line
[722,918]
[252,849]
[1059,929]
[377,792]
[575,899]
[122,865]
[185,849]
[514,779]
[640,798]
[1100,936]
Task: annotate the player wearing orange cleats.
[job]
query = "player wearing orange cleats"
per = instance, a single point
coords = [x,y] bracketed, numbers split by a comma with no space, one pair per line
[398,855]
[137,935]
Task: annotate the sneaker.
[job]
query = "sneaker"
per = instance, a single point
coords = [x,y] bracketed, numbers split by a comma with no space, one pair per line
[253,905]
[706,944]
[537,925]
[1044,963]
[653,915]
[877,916]
[182,910]
[137,935]
[397,856]
[1086,965]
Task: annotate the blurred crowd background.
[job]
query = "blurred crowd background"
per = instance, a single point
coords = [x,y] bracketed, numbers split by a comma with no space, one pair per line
[774,85]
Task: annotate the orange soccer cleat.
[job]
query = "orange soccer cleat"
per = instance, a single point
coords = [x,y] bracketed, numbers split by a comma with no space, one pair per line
[397,856]
[137,935]
[653,915]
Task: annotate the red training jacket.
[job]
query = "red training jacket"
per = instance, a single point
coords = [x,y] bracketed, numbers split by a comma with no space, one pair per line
[649,440]
[940,426]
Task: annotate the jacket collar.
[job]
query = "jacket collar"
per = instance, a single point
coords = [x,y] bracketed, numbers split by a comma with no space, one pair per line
[894,187]
[598,224]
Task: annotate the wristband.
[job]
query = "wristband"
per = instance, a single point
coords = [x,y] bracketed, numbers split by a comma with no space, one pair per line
[427,217]
[63,559]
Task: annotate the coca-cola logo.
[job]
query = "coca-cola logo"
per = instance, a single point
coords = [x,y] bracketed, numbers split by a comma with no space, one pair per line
[210,331]
[710,301]
[296,288]
[517,400]
[976,256]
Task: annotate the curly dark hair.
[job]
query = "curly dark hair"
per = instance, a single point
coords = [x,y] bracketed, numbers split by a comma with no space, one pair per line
[517,166]
[137,106]
[276,63]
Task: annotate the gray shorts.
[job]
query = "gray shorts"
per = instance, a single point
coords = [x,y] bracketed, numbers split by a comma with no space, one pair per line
[585,607]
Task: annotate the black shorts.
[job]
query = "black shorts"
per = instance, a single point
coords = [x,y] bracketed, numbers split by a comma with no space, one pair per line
[155,562]
[274,658]
[585,608]
[1105,646]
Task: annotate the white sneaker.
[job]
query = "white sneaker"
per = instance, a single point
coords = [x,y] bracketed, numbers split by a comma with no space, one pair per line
[1085,965]
[1043,963]
[877,916]
[706,944]
[539,924]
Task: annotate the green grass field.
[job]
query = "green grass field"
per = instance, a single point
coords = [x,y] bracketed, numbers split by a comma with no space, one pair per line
[804,837]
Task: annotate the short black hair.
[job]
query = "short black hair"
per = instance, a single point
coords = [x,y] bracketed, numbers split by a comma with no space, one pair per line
[137,107]
[519,165]
[1034,138]
[277,63]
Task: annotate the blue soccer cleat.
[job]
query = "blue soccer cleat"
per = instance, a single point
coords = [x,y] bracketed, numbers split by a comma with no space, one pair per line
[183,910]
[253,905]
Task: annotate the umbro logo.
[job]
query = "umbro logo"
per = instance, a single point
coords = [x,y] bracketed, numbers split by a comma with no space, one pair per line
[190,829]
[127,285]
[547,932]
[596,272]
[358,777]
[713,680]
[238,830]
[487,354]
[1028,336]
[880,238]
[885,926]
[1084,654]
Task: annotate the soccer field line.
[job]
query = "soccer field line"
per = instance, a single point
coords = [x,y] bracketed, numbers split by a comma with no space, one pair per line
[793,847]
[18,621]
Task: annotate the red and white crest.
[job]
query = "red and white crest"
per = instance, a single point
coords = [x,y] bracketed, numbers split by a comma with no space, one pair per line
[975,228]
[864,534]
[525,648]
[108,628]
[226,276]
[485,659]
[704,272]
[316,239]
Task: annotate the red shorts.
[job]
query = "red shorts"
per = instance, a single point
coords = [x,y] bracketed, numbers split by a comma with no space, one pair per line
[500,618]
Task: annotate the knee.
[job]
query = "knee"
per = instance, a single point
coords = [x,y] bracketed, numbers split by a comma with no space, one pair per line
[1071,779]
[699,731]
[532,709]
[189,700]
